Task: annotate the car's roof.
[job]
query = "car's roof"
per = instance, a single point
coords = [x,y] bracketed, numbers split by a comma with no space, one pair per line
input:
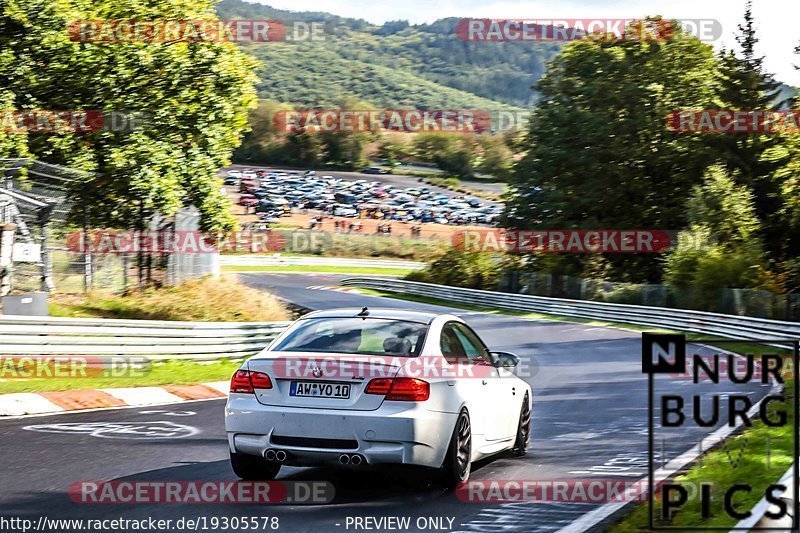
[425,317]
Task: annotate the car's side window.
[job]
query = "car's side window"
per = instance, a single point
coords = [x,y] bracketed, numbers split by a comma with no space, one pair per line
[452,348]
[474,348]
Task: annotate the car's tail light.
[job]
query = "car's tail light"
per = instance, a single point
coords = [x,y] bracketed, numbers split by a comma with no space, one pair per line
[378,386]
[400,389]
[260,380]
[240,382]
[409,390]
[246,381]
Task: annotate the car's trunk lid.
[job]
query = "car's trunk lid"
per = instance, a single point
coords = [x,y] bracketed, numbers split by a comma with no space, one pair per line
[299,378]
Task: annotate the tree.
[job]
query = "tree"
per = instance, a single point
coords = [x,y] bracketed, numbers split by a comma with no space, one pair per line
[453,153]
[264,141]
[345,148]
[721,247]
[598,154]
[304,148]
[474,270]
[496,159]
[456,159]
[776,187]
[724,207]
[393,148]
[427,145]
[193,97]
[12,144]
[785,223]
[744,85]
[390,27]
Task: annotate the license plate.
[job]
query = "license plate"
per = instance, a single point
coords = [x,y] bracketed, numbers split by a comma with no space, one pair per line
[315,389]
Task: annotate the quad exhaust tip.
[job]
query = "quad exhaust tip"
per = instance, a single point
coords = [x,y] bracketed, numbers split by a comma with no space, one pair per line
[354,459]
[276,455]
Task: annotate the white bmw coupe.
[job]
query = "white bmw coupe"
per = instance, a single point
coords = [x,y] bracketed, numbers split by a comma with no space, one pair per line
[364,387]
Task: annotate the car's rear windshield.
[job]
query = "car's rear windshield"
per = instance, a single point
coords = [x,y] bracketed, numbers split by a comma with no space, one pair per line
[370,336]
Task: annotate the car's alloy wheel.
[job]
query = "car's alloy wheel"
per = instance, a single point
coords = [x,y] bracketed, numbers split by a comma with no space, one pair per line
[253,468]
[524,429]
[458,462]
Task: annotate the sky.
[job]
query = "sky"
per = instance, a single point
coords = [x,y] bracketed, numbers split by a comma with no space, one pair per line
[776,19]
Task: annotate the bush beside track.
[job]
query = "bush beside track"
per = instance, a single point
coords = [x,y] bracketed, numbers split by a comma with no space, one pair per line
[202,300]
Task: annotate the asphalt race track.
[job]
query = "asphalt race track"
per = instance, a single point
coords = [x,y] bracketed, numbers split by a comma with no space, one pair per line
[589,421]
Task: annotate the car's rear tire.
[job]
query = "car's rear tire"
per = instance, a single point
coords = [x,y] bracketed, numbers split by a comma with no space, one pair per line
[458,461]
[253,468]
[524,429]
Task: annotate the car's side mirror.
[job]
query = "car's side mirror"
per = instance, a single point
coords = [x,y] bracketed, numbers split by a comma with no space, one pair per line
[505,359]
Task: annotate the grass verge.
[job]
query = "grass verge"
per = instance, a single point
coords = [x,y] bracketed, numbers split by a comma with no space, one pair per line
[716,468]
[159,373]
[459,186]
[203,300]
[482,309]
[323,269]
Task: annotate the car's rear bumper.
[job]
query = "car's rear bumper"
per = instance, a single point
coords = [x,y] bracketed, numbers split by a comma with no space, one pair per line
[395,433]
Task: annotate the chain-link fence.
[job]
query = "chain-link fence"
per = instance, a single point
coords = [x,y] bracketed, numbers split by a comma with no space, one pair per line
[51,229]
[34,199]
[742,302]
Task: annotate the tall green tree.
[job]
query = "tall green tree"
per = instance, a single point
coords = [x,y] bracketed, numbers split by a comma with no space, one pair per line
[599,154]
[303,148]
[193,97]
[453,153]
[264,142]
[745,85]
[347,149]
[496,158]
[12,144]
[785,155]
[721,247]
[393,148]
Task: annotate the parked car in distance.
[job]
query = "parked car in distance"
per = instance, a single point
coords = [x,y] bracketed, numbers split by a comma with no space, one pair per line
[344,211]
[374,170]
[373,197]
[248,200]
[247,185]
[344,198]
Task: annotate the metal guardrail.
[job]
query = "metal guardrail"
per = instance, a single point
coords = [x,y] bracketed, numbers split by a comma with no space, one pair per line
[154,339]
[274,260]
[732,326]
[717,324]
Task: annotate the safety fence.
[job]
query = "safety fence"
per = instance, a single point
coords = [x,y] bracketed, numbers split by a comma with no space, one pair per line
[153,339]
[740,327]
[745,302]
[280,260]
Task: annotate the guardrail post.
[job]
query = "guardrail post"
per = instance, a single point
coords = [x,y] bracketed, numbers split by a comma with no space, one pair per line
[47,260]
[7,232]
[87,255]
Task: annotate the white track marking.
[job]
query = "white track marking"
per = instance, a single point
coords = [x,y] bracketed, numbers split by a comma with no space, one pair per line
[143,395]
[26,403]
